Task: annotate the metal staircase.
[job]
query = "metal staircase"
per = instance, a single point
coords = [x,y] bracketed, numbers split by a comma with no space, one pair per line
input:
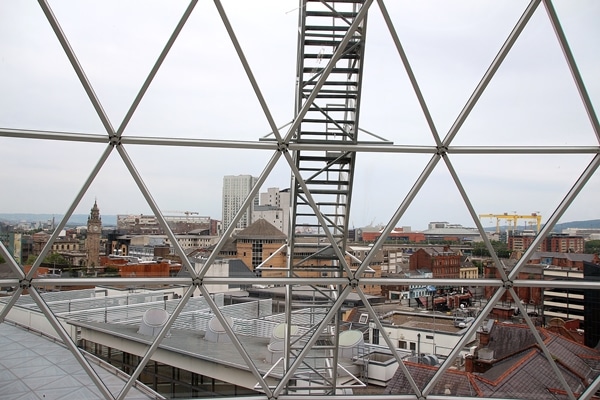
[329,70]
[331,119]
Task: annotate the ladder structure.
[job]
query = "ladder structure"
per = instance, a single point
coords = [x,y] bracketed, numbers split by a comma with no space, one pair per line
[329,70]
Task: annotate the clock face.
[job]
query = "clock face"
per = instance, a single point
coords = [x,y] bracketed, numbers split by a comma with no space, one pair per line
[95,228]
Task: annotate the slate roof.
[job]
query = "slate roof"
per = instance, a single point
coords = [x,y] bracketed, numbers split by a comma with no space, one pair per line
[237,269]
[261,229]
[508,339]
[569,256]
[458,383]
[437,250]
[523,372]
[228,247]
[528,376]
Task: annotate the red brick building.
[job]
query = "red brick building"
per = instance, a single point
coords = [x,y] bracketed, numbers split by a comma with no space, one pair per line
[126,269]
[528,295]
[564,243]
[520,242]
[565,260]
[560,243]
[398,234]
[442,261]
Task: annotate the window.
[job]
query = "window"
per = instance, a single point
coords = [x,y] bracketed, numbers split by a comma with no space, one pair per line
[364,318]
[375,336]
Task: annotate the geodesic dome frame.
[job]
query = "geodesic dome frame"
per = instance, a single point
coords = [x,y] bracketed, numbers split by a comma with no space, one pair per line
[288,145]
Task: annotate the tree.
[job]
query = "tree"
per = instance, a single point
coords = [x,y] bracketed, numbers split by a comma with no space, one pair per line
[55,259]
[2,260]
[30,260]
[479,250]
[501,249]
[479,265]
[592,247]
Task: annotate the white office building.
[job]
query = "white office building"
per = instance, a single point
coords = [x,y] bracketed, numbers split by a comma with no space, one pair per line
[274,208]
[235,191]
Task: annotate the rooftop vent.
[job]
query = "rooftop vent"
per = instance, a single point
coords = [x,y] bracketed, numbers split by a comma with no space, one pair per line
[430,359]
[280,331]
[215,332]
[153,321]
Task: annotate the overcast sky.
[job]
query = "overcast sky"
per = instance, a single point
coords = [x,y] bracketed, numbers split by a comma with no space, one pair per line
[201,91]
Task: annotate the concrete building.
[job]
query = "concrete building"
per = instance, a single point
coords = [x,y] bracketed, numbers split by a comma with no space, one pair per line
[571,308]
[439,232]
[357,255]
[274,208]
[180,224]
[19,246]
[148,247]
[273,215]
[193,241]
[279,199]
[566,304]
[428,333]
[138,224]
[235,190]
[395,259]
[587,233]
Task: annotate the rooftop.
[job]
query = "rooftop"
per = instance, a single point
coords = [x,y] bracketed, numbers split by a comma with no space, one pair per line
[36,367]
[521,371]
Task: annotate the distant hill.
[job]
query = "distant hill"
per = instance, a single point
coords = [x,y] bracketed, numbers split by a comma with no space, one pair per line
[75,220]
[588,224]
[111,220]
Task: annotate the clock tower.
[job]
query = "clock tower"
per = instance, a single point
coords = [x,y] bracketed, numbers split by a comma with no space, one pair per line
[94,232]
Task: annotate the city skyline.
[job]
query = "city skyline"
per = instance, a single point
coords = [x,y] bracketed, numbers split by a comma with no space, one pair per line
[110,220]
[214,99]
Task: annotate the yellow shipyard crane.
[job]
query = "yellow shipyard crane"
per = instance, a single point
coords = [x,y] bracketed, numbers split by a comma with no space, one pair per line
[513,219]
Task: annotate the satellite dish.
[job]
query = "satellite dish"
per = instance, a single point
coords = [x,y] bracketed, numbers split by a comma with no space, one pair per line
[350,343]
